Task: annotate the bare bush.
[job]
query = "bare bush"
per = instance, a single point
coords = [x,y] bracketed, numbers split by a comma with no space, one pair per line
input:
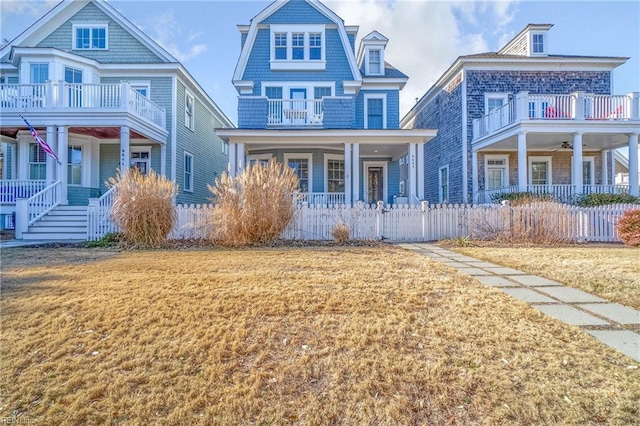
[253,207]
[143,206]
[340,233]
[629,228]
[529,223]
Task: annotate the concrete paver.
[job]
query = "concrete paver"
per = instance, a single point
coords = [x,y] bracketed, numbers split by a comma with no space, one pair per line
[615,312]
[503,271]
[570,315]
[527,295]
[625,341]
[481,264]
[571,295]
[533,280]
[494,281]
[454,264]
[473,271]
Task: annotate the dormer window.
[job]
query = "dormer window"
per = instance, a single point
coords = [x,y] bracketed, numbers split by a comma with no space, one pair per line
[298,47]
[537,43]
[90,36]
[374,62]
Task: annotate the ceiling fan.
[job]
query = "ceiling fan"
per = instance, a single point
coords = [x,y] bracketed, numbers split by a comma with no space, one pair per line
[567,145]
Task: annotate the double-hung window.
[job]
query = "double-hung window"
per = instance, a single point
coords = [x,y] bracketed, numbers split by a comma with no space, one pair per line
[37,162]
[301,164]
[189,107]
[374,62]
[74,165]
[315,46]
[375,111]
[90,36]
[297,46]
[540,170]
[443,184]
[280,43]
[188,172]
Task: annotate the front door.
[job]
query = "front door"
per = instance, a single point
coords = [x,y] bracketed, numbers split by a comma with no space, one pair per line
[375,182]
[298,111]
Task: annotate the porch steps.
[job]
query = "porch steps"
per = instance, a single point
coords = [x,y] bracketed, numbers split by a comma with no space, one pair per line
[62,223]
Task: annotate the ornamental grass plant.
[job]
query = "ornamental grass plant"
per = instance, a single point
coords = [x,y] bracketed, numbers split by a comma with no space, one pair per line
[143,207]
[253,207]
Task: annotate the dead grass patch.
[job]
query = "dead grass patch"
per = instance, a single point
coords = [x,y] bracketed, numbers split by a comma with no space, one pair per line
[281,336]
[611,272]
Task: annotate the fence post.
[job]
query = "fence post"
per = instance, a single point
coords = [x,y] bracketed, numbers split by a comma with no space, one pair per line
[424,206]
[380,220]
[92,229]
[22,217]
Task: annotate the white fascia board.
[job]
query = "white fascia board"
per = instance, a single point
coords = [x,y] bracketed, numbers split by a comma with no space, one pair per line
[544,61]
[311,137]
[351,87]
[52,52]
[383,83]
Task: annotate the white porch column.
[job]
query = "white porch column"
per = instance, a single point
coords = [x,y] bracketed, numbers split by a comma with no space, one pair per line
[633,164]
[522,162]
[474,175]
[613,166]
[605,167]
[355,172]
[240,158]
[347,173]
[163,159]
[125,156]
[577,164]
[51,163]
[232,159]
[23,158]
[63,145]
[421,171]
[412,173]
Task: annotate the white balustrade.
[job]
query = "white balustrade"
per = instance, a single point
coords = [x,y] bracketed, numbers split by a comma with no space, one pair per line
[11,190]
[295,112]
[99,222]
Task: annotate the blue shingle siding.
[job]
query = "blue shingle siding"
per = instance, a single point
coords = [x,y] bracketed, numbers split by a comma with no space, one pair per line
[445,114]
[109,162]
[122,46]
[79,196]
[393,175]
[252,113]
[297,12]
[339,113]
[259,69]
[352,42]
[393,108]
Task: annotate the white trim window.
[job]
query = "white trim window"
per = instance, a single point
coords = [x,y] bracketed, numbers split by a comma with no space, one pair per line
[37,162]
[588,170]
[142,87]
[494,101]
[443,184]
[540,170]
[334,172]
[38,73]
[74,165]
[302,164]
[374,57]
[141,158]
[189,110]
[188,172]
[538,44]
[87,36]
[496,171]
[375,111]
[297,47]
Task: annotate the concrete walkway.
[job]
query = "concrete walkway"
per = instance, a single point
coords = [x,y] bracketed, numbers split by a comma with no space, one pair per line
[613,324]
[26,243]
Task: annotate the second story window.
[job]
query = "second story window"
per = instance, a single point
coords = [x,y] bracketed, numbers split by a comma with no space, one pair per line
[315,46]
[281,45]
[538,43]
[297,46]
[90,37]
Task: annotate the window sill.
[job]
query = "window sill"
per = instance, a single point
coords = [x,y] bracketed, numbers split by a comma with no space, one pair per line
[282,65]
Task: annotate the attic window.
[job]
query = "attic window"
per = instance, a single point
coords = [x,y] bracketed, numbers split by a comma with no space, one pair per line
[90,36]
[298,47]
[537,43]
[374,61]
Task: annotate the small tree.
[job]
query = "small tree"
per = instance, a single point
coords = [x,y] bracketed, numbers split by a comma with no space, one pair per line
[629,228]
[143,206]
[254,207]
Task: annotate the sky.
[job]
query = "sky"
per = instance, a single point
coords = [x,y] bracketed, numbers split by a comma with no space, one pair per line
[425,37]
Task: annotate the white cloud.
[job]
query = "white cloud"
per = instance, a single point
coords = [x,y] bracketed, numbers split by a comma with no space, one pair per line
[165,29]
[425,37]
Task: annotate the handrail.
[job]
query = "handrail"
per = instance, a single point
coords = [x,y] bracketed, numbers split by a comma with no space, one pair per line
[43,202]
[99,222]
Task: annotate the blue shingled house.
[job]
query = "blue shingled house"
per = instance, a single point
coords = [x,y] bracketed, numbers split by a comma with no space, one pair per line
[310,99]
[104,96]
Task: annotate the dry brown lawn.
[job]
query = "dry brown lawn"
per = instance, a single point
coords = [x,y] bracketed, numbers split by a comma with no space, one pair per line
[312,336]
[611,272]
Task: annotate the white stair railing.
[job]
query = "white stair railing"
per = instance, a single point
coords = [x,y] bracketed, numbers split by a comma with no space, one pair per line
[99,222]
[30,210]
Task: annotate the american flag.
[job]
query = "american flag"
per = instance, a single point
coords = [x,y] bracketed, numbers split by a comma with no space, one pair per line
[43,144]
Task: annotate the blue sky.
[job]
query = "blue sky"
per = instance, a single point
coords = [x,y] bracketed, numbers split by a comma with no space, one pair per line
[425,36]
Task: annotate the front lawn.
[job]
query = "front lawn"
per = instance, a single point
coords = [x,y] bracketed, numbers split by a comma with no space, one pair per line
[611,272]
[289,336]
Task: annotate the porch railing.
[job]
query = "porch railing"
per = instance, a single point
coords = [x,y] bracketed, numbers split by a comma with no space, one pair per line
[73,96]
[575,106]
[99,222]
[11,190]
[320,198]
[295,112]
[563,193]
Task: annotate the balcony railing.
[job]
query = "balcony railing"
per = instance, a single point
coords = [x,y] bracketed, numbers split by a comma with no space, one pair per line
[563,193]
[74,97]
[577,106]
[320,198]
[295,112]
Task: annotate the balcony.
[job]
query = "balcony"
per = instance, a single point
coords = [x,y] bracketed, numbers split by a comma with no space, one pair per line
[295,112]
[69,98]
[575,107]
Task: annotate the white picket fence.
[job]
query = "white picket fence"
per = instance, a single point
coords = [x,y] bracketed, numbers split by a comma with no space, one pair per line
[420,222]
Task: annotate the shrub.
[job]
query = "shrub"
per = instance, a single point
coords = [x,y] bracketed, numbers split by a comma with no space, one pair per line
[112,239]
[594,200]
[253,207]
[629,228]
[520,198]
[340,233]
[143,207]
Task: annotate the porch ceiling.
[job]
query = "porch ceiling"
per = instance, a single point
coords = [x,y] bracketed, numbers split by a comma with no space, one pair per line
[96,132]
[365,149]
[553,142]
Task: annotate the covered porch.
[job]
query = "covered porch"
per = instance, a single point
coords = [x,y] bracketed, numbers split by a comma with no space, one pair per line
[339,166]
